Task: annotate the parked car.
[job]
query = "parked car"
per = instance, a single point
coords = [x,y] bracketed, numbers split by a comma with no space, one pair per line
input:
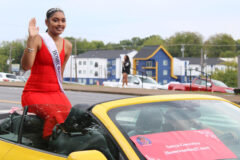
[199,84]
[8,77]
[22,78]
[151,127]
[136,81]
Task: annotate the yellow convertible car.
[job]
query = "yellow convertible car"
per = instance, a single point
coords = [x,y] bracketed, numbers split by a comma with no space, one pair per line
[176,127]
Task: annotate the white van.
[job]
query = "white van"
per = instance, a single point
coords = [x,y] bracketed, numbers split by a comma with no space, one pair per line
[8,77]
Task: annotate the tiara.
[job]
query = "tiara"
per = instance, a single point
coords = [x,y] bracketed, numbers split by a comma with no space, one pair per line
[53,10]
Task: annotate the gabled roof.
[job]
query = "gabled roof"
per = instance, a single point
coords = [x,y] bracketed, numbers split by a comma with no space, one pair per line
[109,54]
[146,51]
[194,60]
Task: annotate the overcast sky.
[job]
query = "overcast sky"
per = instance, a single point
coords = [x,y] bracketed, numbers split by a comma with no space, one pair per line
[115,20]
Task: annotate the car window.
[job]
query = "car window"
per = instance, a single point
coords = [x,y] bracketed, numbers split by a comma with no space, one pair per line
[203,82]
[198,81]
[11,76]
[219,83]
[10,123]
[134,80]
[1,76]
[148,80]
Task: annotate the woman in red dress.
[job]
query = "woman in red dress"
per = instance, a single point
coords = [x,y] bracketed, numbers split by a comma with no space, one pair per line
[42,92]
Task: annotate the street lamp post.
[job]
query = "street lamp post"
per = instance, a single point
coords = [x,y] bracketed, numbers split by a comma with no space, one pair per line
[75,50]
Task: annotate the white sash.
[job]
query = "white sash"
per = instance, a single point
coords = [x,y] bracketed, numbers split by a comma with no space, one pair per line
[55,56]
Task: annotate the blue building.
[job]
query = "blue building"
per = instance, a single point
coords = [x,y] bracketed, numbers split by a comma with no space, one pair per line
[156,62]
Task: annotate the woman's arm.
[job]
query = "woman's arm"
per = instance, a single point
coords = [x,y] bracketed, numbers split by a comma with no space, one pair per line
[33,44]
[68,51]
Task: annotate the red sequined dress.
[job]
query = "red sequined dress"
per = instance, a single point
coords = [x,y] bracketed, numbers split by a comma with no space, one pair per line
[42,92]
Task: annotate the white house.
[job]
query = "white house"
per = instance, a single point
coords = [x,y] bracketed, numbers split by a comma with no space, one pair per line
[93,67]
[182,67]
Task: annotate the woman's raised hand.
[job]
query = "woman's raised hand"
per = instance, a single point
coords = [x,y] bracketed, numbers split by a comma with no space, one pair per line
[32,29]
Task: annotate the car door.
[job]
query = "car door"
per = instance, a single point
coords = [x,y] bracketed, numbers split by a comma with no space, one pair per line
[19,152]
[198,85]
[133,82]
[5,148]
[17,144]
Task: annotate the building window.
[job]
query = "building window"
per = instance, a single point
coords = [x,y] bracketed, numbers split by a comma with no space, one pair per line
[113,72]
[113,62]
[91,71]
[84,63]
[109,64]
[137,62]
[80,71]
[149,73]
[84,81]
[96,64]
[80,63]
[96,73]
[165,72]
[90,81]
[84,71]
[108,74]
[91,63]
[149,64]
[165,62]
[165,81]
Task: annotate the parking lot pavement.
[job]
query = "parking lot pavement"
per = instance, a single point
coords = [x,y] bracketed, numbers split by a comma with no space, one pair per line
[128,91]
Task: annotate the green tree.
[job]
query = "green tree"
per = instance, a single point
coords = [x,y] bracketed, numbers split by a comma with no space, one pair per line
[112,46]
[238,45]
[228,54]
[229,77]
[3,63]
[137,42]
[16,48]
[17,51]
[191,41]
[220,43]
[153,40]
[126,44]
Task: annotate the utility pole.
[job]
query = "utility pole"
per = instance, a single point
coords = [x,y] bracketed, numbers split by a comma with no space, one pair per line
[182,50]
[75,50]
[201,61]
[10,59]
[205,62]
[239,71]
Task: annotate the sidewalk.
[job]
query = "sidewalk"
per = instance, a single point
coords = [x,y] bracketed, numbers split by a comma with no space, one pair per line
[128,91]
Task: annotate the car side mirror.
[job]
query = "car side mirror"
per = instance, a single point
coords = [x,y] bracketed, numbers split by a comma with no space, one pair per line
[89,155]
[136,82]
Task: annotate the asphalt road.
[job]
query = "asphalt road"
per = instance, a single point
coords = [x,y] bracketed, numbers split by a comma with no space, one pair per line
[11,97]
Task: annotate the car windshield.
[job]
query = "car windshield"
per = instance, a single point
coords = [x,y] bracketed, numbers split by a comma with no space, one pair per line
[219,83]
[174,124]
[148,80]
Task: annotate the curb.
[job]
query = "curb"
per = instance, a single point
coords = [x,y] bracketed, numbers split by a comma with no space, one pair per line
[126,91]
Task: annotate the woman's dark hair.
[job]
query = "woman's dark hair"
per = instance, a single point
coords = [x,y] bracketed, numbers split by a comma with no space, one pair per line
[51,11]
[127,58]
